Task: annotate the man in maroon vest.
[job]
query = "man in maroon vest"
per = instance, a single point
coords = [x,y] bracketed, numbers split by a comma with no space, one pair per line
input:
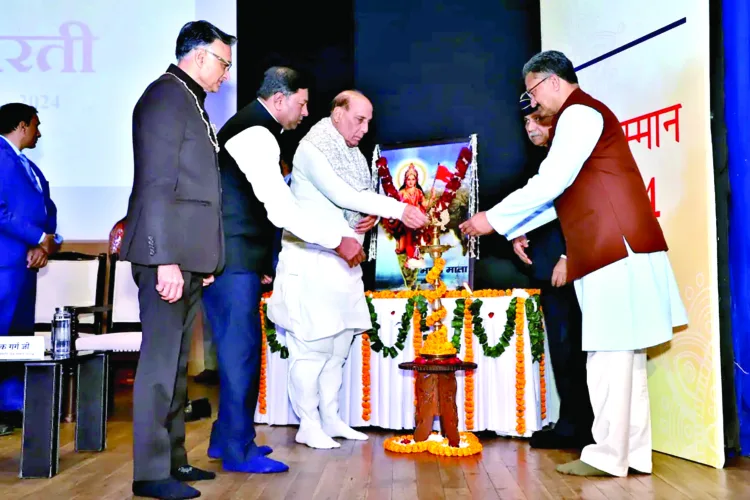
[616,258]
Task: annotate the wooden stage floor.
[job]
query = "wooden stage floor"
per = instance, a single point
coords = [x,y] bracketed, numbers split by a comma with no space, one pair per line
[508,468]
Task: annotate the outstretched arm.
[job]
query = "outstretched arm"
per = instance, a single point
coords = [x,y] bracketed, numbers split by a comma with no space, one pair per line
[527,208]
[257,154]
[313,164]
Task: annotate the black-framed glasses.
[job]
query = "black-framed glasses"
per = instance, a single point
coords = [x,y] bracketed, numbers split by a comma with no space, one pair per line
[227,64]
[526,96]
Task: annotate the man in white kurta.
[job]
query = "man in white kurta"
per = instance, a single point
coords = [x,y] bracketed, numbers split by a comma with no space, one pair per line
[627,306]
[317,298]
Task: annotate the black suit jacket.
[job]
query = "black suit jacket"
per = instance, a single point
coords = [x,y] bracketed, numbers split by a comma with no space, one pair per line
[546,245]
[174,212]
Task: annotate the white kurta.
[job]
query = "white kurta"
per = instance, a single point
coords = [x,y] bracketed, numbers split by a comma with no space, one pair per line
[628,305]
[257,154]
[316,294]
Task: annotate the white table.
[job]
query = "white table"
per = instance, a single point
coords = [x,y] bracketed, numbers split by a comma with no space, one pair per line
[392,389]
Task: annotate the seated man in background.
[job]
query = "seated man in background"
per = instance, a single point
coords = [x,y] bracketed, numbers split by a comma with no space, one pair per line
[28,221]
[562,316]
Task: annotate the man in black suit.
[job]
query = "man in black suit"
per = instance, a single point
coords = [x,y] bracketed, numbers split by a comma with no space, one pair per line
[562,316]
[174,239]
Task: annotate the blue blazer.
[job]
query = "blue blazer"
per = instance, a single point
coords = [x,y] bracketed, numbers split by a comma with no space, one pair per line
[25,213]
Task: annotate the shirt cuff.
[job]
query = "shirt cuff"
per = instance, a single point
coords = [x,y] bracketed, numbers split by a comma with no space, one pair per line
[563,256]
[44,235]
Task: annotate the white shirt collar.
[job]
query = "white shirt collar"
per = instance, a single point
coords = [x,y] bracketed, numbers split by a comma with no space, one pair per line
[269,112]
[18,152]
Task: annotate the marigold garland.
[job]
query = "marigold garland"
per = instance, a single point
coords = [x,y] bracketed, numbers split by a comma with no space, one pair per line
[366,406]
[435,444]
[449,294]
[469,358]
[263,385]
[520,371]
[542,388]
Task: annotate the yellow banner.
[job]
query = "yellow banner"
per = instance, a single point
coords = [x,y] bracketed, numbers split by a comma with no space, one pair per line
[649,62]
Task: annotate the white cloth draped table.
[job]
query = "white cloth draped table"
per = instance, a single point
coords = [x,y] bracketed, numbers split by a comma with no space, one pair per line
[392,389]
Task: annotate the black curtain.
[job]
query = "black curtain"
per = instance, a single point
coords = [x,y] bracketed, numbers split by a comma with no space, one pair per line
[433,69]
[447,69]
[314,37]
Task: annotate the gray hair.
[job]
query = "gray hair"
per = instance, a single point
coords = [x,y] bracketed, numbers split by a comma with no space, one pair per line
[551,62]
[281,79]
[343,98]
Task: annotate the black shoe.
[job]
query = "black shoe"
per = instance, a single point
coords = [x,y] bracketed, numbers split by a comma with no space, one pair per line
[167,489]
[207,377]
[550,440]
[6,430]
[197,409]
[12,418]
[188,473]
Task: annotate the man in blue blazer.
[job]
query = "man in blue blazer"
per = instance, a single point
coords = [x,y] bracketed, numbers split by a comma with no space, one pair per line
[28,221]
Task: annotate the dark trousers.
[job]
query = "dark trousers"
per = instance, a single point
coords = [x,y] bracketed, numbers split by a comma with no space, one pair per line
[17,305]
[562,316]
[231,304]
[160,387]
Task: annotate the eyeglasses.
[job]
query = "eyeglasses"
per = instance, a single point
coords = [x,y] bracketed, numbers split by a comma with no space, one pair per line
[223,61]
[526,96]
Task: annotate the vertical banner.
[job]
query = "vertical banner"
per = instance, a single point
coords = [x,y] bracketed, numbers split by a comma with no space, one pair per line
[649,62]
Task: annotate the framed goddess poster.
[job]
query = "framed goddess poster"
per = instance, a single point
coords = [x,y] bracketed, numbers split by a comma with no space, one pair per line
[440,178]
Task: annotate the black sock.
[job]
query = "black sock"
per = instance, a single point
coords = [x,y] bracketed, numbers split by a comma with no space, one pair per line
[166,489]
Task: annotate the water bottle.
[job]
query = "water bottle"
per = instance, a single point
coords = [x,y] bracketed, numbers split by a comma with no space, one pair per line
[73,328]
[61,330]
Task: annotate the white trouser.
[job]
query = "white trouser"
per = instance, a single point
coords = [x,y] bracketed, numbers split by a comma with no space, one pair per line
[315,376]
[618,387]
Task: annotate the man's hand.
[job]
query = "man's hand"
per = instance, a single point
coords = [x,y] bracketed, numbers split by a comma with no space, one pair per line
[169,282]
[208,280]
[366,224]
[351,251]
[520,244]
[413,217]
[478,225]
[36,258]
[560,273]
[266,279]
[49,244]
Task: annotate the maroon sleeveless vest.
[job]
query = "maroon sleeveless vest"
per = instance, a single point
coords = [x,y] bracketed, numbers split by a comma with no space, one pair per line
[606,202]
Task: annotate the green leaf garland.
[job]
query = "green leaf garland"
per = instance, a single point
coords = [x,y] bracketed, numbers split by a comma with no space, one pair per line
[273,343]
[376,343]
[510,328]
[536,330]
[458,323]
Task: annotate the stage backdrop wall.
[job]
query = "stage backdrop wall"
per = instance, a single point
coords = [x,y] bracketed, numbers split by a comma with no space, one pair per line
[447,69]
[649,62]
